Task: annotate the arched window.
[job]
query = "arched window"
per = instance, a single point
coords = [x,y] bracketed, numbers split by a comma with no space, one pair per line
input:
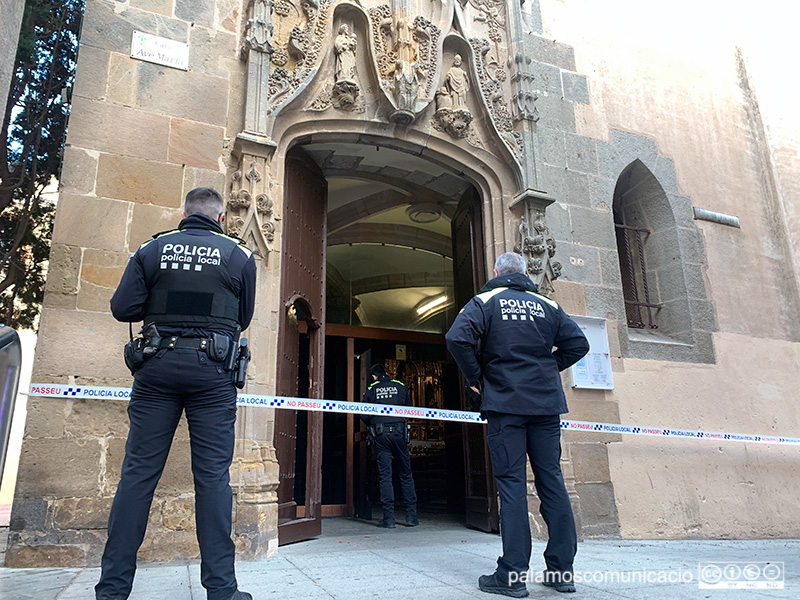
[649,254]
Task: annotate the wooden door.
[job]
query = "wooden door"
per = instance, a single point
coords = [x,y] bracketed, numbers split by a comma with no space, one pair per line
[301,347]
[362,508]
[468,276]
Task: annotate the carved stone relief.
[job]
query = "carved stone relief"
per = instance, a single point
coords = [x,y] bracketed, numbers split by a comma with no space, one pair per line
[250,209]
[491,75]
[538,247]
[258,34]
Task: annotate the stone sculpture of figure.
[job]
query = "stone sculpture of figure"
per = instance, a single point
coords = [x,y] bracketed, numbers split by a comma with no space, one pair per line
[407,86]
[457,83]
[345,47]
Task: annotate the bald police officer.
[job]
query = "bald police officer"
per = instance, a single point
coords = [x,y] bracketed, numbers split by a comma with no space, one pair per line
[194,288]
[503,341]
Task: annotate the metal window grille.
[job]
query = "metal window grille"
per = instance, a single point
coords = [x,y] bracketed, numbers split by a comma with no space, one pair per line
[638,308]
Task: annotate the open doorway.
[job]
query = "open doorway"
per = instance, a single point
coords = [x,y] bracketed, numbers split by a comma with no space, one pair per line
[403,251]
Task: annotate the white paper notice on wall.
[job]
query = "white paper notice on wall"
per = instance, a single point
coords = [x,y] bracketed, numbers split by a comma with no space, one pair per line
[159,50]
[593,371]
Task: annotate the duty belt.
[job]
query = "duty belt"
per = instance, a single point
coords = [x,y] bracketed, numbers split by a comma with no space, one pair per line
[180,342]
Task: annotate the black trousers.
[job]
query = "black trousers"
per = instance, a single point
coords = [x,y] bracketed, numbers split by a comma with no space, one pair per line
[513,439]
[393,444]
[168,384]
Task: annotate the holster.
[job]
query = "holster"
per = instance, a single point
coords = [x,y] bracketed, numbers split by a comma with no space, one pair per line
[240,365]
[133,352]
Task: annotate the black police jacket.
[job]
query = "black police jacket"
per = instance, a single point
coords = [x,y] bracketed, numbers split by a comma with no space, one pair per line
[503,342]
[386,391]
[189,282]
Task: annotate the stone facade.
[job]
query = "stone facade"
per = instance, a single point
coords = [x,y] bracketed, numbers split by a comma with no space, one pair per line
[559,112]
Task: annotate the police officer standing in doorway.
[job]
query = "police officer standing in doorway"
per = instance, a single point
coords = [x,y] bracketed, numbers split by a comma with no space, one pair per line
[194,288]
[503,342]
[388,436]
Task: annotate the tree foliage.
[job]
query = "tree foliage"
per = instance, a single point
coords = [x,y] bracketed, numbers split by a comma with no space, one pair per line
[35,127]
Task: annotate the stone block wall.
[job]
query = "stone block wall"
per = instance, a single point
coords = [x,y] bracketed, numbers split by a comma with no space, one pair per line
[141,135]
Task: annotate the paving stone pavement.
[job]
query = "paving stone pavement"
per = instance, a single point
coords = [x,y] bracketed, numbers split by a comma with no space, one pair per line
[440,560]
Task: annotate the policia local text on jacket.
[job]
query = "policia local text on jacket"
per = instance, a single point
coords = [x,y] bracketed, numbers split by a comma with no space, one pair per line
[389,440]
[503,343]
[190,283]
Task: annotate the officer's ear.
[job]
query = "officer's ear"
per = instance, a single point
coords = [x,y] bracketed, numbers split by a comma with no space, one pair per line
[495,272]
[183,214]
[221,218]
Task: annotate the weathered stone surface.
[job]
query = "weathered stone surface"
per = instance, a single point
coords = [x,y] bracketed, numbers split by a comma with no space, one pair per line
[601,192]
[141,181]
[28,514]
[580,264]
[610,269]
[62,273]
[100,418]
[169,546]
[97,331]
[576,87]
[21,557]
[590,462]
[45,461]
[123,73]
[665,173]
[103,268]
[79,171]
[552,149]
[178,514]
[550,52]
[546,79]
[115,454]
[149,220]
[81,513]
[554,111]
[581,153]
[593,228]
[228,13]
[91,74]
[195,144]
[176,479]
[73,228]
[599,516]
[153,6]
[173,92]
[93,297]
[45,417]
[194,178]
[570,296]
[137,133]
[558,223]
[200,12]
[703,316]
[105,27]
[208,48]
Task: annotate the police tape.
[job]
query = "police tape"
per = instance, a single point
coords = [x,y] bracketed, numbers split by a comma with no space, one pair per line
[51,390]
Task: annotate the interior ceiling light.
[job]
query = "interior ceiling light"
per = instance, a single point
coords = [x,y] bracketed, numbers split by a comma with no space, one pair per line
[432,304]
[424,212]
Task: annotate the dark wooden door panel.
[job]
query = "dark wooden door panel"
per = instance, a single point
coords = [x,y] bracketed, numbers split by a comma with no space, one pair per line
[469,275]
[301,347]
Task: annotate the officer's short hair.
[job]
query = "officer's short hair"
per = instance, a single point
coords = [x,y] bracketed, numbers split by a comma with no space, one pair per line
[377,370]
[509,262]
[204,200]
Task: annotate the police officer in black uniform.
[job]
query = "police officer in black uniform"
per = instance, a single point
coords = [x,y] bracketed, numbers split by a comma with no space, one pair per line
[388,435]
[503,342]
[194,288]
